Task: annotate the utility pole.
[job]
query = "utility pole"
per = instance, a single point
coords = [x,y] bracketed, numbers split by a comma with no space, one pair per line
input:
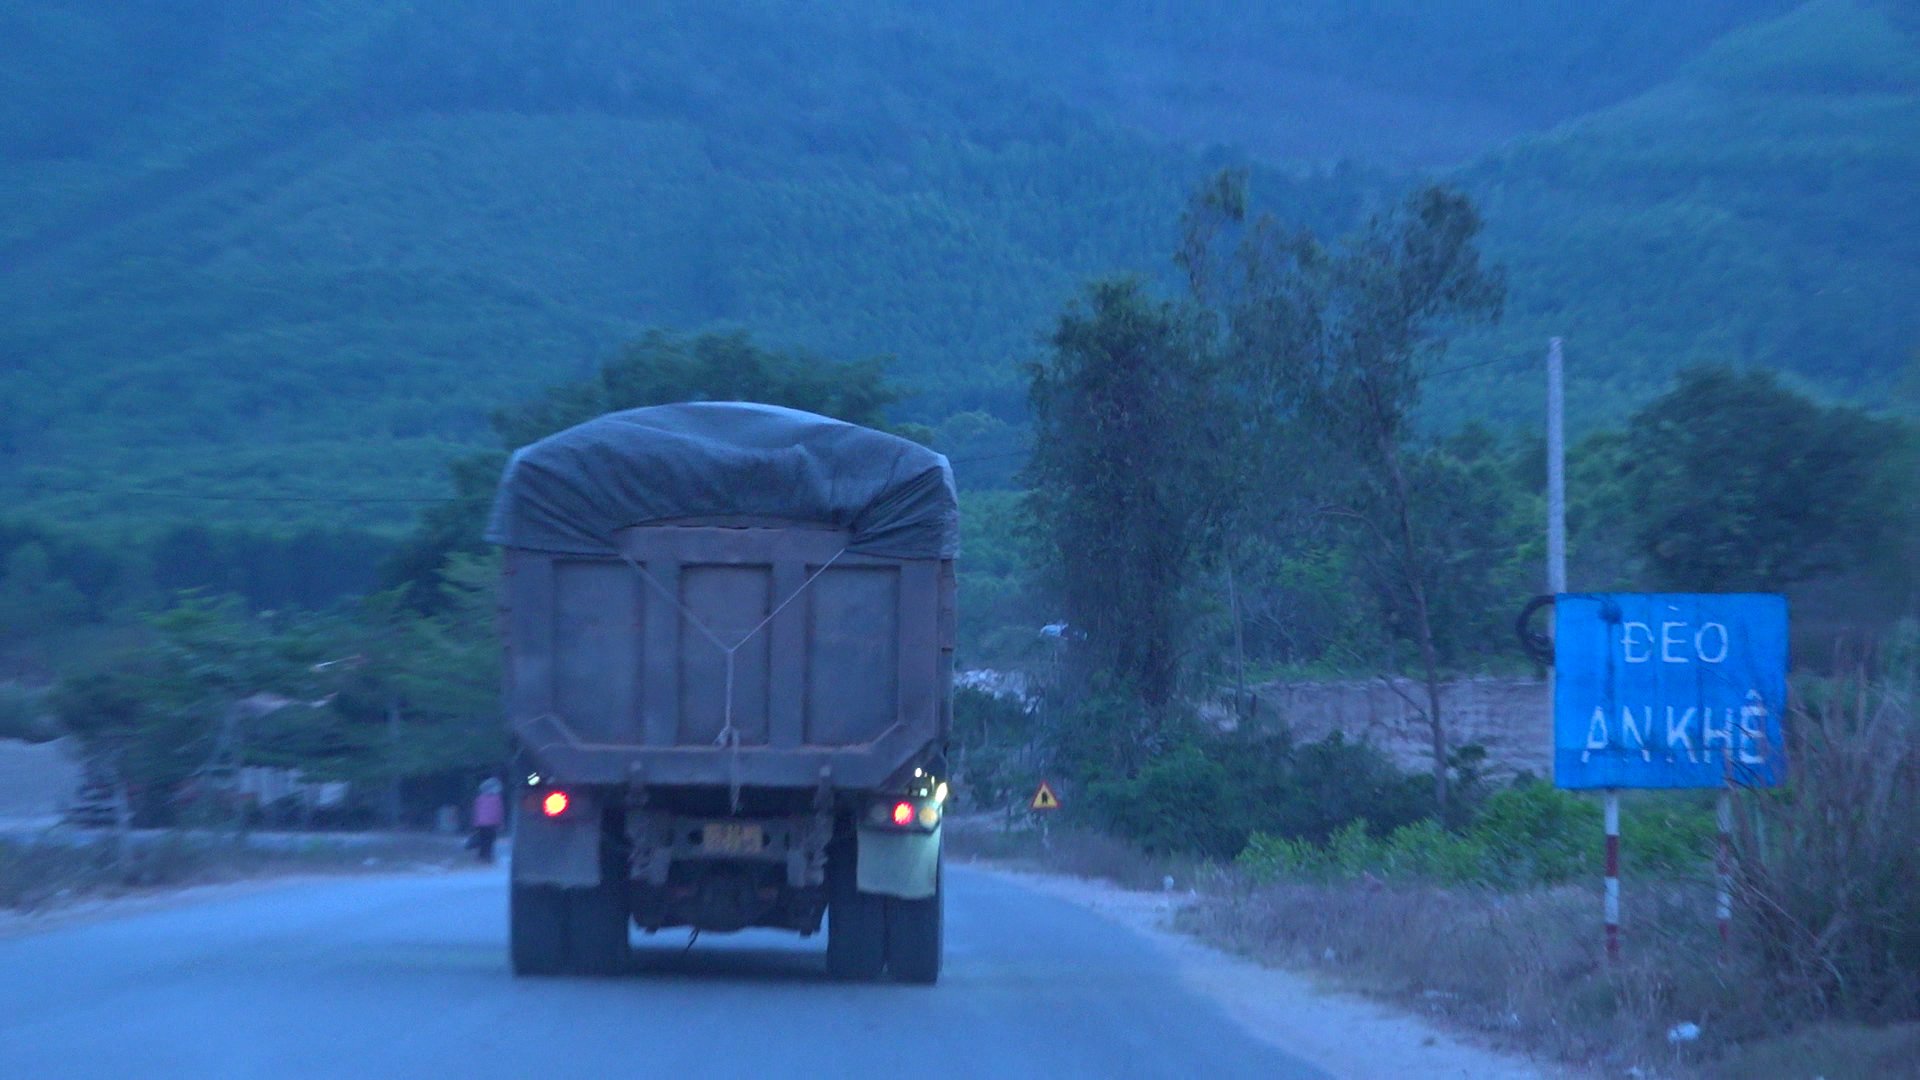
[1556,471]
[1557,584]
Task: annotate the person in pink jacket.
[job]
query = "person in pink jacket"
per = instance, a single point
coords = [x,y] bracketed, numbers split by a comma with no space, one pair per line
[489,813]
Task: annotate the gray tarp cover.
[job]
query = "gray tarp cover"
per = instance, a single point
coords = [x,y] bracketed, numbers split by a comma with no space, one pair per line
[571,492]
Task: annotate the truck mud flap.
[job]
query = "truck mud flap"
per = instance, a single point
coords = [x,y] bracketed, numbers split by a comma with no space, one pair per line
[905,865]
[556,852]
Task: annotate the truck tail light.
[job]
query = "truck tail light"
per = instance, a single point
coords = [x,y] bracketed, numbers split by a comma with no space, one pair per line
[555,803]
[908,813]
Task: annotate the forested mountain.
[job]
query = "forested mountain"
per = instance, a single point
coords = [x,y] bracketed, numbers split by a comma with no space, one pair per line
[279,250]
[330,243]
[1758,209]
[1305,81]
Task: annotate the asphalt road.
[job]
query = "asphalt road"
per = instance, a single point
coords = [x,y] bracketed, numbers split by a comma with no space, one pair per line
[407,976]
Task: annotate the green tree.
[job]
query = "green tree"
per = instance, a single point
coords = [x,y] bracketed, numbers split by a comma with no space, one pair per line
[1001,614]
[377,695]
[1738,483]
[418,693]
[189,701]
[1473,513]
[1127,479]
[1335,342]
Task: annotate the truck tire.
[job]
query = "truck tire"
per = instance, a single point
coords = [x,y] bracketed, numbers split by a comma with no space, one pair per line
[856,922]
[915,936]
[597,930]
[537,929]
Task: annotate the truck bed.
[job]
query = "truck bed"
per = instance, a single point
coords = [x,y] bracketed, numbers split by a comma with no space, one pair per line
[618,672]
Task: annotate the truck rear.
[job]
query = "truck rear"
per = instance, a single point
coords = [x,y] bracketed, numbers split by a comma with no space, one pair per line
[729,633]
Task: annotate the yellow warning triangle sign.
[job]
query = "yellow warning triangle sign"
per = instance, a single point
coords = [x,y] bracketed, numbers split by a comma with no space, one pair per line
[1045,799]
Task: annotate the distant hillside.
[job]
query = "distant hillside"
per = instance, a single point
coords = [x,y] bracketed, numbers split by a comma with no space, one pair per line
[273,249]
[1319,81]
[328,246]
[1762,208]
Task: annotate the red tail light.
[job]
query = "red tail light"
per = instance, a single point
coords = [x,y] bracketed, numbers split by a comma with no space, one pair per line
[554,804]
[903,814]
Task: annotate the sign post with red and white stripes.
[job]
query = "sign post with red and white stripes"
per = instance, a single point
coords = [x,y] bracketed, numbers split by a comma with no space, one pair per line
[1612,814]
[1650,690]
[1668,691]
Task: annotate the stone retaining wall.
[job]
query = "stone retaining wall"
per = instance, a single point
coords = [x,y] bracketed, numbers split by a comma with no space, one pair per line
[38,781]
[1510,717]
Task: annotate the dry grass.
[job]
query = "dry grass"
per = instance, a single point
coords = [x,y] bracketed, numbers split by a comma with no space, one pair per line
[1830,867]
[45,872]
[1822,977]
[1075,851]
[1826,932]
[1528,968]
[1830,1051]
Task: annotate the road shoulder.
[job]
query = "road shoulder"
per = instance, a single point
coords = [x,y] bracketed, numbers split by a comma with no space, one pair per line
[1342,1033]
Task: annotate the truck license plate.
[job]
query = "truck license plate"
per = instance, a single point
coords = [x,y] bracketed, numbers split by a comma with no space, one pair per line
[732,838]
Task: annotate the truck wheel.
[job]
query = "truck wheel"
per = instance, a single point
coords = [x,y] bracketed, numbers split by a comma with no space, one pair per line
[597,930]
[915,935]
[856,922]
[537,929]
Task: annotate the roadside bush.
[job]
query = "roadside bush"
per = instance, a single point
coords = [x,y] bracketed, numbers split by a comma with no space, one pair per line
[1496,923]
[1322,787]
[1829,867]
[1424,850]
[1536,833]
[1337,808]
[1182,802]
[1208,796]
[1526,835]
[1270,858]
[1671,833]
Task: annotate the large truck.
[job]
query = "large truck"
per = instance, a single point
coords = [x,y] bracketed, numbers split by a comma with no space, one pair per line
[729,648]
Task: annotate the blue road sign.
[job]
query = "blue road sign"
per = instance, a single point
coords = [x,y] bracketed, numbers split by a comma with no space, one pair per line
[1676,690]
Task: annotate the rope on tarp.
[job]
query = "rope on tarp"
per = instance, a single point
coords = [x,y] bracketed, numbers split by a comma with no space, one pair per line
[729,736]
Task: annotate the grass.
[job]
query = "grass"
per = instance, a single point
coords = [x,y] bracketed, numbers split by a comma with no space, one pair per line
[1527,968]
[1069,849]
[46,872]
[1821,976]
[1832,1051]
